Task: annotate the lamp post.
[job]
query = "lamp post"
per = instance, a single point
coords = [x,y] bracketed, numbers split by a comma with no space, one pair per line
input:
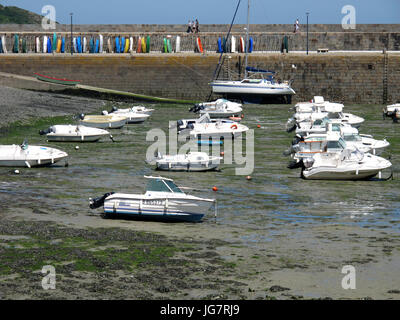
[307,13]
[72,42]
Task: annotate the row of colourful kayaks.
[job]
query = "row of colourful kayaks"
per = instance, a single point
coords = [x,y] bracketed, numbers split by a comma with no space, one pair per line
[50,44]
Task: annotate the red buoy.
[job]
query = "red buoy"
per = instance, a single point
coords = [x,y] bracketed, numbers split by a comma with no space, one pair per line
[215,189]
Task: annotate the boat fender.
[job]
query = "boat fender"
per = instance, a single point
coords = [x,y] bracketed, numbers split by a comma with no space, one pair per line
[99,201]
[113,109]
[234,127]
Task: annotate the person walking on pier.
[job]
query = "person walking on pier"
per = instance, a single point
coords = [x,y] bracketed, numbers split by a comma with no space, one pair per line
[296,26]
[197,26]
[189,29]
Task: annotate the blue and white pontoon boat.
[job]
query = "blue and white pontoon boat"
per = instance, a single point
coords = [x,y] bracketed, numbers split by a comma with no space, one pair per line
[163,200]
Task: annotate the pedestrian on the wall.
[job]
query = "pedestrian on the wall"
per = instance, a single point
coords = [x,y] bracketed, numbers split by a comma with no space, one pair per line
[189,29]
[197,27]
[296,26]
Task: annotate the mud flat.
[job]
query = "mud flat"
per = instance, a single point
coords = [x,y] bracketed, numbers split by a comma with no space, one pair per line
[289,242]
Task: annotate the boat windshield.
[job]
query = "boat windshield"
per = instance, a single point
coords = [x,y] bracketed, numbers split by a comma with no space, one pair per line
[339,144]
[352,137]
[160,185]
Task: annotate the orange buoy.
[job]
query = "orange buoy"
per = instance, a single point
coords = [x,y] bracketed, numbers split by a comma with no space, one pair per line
[258,126]
[248,178]
[215,189]
[242,115]
[222,153]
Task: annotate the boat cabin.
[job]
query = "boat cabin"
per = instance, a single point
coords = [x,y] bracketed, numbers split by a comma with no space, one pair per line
[160,184]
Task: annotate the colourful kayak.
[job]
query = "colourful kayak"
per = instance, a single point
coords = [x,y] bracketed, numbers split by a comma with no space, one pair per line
[54,42]
[144,45]
[16,44]
[148,44]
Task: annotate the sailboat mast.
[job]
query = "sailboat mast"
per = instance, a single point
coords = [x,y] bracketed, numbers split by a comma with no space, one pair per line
[247,39]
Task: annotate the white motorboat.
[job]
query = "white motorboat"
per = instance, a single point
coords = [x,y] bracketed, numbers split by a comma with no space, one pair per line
[319,109]
[103,121]
[363,142]
[392,111]
[346,165]
[192,161]
[346,135]
[137,114]
[205,128]
[25,155]
[220,108]
[73,133]
[184,124]
[163,200]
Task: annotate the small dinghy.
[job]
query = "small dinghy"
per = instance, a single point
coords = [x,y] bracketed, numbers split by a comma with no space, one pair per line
[25,155]
[192,161]
[73,133]
[346,165]
[103,121]
[220,108]
[205,128]
[163,200]
[131,114]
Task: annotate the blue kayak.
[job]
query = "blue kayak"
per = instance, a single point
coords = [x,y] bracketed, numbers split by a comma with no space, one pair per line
[219,45]
[97,46]
[117,46]
[49,48]
[63,45]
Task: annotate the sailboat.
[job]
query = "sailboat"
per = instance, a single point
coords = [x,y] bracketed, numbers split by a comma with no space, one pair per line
[257,86]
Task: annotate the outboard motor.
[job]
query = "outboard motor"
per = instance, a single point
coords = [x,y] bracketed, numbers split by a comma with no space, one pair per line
[297,139]
[82,116]
[46,131]
[291,125]
[289,151]
[99,201]
[113,109]
[294,164]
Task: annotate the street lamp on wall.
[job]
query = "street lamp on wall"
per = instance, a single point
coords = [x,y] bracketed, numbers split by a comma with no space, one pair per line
[72,42]
[307,13]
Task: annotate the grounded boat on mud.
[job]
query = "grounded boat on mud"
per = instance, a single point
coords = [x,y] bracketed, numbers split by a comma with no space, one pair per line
[73,133]
[163,200]
[192,161]
[25,155]
[220,108]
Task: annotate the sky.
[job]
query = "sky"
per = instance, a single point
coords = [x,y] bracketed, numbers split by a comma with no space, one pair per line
[212,11]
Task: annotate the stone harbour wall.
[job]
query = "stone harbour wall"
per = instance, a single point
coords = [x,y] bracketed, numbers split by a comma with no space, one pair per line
[362,78]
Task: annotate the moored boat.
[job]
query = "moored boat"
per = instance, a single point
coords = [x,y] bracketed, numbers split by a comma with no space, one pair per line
[163,200]
[192,161]
[74,133]
[63,81]
[220,108]
[25,155]
[103,121]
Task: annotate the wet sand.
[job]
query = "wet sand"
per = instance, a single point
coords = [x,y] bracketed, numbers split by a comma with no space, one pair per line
[289,242]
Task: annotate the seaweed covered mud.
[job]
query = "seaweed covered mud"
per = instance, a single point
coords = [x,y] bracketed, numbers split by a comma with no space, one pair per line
[276,236]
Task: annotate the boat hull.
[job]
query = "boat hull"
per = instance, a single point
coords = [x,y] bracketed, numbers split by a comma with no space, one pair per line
[30,163]
[118,124]
[190,167]
[64,138]
[177,210]
[338,174]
